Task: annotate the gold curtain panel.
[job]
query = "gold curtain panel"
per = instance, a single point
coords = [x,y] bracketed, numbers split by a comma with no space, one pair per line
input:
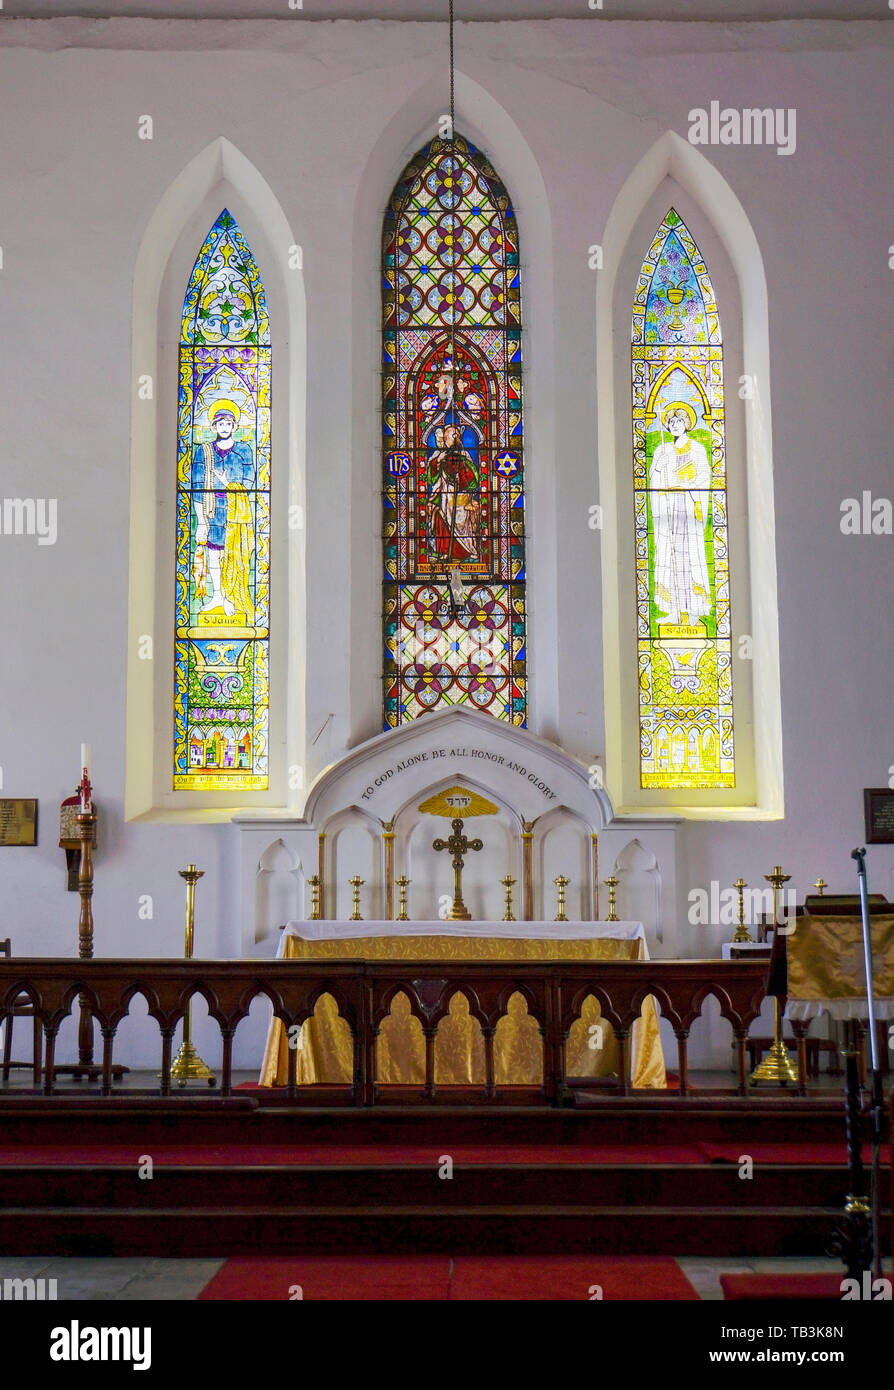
[825,958]
[325,1049]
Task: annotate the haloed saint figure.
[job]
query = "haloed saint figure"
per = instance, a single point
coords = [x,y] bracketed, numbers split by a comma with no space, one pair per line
[453,434]
[679,483]
[222,473]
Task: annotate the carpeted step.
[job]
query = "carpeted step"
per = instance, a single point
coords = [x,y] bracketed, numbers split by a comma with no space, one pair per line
[507,1229]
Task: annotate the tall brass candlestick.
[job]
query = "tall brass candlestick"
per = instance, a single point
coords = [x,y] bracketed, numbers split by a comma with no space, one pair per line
[742,932]
[820,886]
[561,883]
[611,884]
[402,885]
[314,885]
[777,1065]
[507,883]
[356,884]
[188,1065]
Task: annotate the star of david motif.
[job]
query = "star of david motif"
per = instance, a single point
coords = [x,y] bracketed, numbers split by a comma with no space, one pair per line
[506,464]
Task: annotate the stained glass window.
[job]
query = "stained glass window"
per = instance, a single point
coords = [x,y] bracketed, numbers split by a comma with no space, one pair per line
[453,494]
[222,588]
[680,517]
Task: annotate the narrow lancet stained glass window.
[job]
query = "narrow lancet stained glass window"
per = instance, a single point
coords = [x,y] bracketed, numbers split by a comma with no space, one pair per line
[680,515]
[222,587]
[453,494]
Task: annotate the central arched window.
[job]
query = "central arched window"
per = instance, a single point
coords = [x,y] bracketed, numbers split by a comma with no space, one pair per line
[453,494]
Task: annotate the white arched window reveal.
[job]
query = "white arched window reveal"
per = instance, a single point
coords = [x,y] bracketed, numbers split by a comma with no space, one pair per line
[682,300]
[215,298]
[684,662]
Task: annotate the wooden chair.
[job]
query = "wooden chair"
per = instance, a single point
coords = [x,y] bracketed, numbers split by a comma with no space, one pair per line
[22,1008]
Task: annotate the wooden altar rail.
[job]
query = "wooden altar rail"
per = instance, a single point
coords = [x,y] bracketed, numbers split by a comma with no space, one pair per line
[554,992]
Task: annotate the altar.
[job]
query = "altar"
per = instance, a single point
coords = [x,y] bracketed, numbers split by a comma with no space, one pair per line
[325,1044]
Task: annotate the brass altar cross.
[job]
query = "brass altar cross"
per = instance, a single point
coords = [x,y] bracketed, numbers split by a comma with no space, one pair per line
[459,846]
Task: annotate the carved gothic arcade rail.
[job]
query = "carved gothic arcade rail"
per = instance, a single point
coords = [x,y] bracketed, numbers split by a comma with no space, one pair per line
[553,991]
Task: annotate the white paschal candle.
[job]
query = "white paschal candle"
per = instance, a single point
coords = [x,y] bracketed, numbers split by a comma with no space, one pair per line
[85,758]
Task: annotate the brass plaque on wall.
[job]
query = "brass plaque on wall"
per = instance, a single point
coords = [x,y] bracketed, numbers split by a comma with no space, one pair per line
[18,821]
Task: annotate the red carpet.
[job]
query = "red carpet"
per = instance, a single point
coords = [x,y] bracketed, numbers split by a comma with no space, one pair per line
[745,1287]
[436,1277]
[379,1278]
[786,1153]
[375,1154]
[569,1278]
[427,1155]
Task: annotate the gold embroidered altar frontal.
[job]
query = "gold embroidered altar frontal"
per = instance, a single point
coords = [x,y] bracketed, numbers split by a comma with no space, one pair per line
[326,1049]
[825,957]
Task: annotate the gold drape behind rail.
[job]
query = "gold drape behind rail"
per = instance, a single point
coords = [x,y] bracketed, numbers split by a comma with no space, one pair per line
[326,1050]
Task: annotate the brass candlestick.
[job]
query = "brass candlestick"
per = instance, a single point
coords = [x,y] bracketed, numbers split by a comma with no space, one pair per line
[356,883]
[742,932]
[458,846]
[188,1065]
[777,1065]
[820,885]
[314,885]
[612,886]
[561,884]
[507,883]
[402,884]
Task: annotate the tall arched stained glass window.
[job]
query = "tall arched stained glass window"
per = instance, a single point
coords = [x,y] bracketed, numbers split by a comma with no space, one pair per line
[222,589]
[453,492]
[680,516]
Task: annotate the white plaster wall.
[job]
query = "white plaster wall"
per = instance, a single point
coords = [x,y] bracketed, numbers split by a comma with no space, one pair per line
[329,113]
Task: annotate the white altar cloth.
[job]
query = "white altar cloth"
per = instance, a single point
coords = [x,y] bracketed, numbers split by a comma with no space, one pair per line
[520,931]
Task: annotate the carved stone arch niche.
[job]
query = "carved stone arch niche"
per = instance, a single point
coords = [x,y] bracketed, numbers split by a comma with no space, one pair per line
[430,871]
[563,845]
[639,889]
[353,847]
[279,886]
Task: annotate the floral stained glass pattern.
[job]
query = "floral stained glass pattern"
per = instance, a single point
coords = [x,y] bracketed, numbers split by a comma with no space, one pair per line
[453,489]
[680,516]
[222,586]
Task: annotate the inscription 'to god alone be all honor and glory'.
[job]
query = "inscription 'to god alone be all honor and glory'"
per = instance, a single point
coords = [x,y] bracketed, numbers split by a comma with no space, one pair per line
[436,754]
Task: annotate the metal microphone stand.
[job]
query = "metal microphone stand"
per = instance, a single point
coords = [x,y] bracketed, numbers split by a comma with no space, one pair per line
[858,1239]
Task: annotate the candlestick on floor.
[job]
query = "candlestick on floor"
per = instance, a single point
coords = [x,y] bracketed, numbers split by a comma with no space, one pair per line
[777,1065]
[188,1065]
